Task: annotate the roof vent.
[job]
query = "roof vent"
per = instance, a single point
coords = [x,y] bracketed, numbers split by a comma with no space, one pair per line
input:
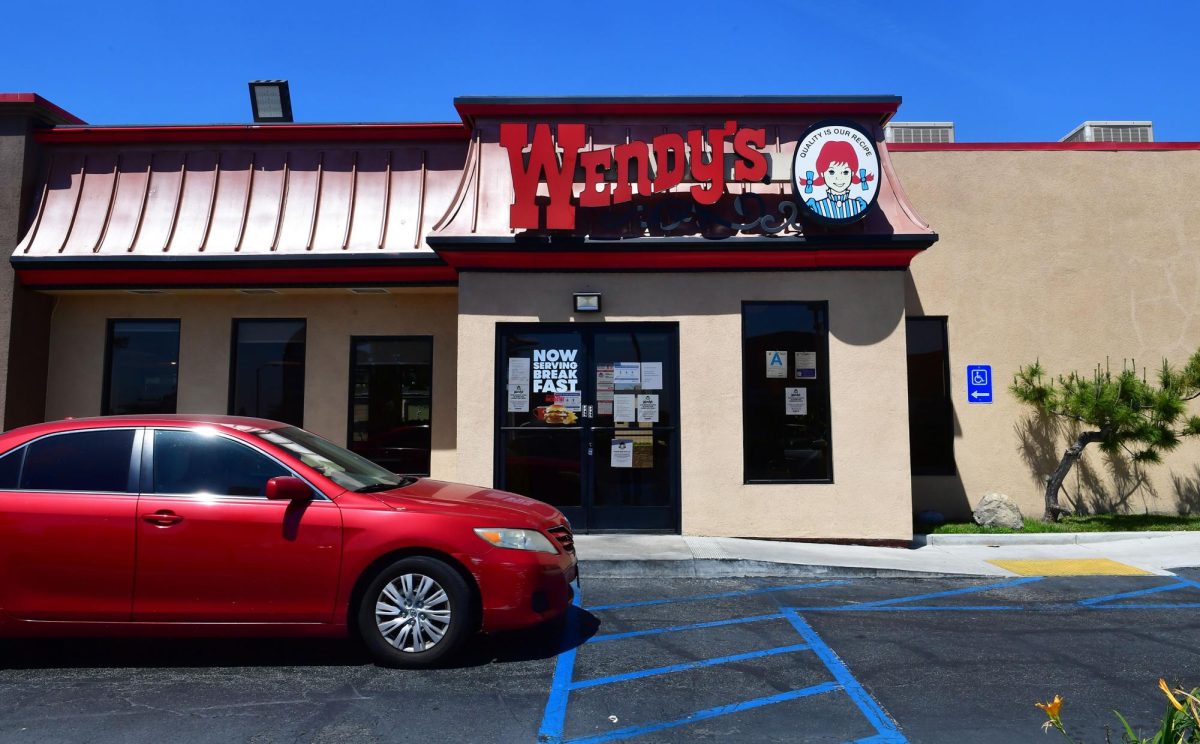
[1111,131]
[259,291]
[919,132]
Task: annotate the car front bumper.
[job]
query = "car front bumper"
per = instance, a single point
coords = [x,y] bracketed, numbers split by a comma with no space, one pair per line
[522,588]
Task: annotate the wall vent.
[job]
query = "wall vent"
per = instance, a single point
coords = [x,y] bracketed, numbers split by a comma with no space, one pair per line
[369,290]
[259,291]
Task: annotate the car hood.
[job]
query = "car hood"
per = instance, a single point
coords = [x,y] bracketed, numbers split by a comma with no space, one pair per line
[488,503]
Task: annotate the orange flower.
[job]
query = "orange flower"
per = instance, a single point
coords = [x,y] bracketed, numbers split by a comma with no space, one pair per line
[1162,685]
[1052,708]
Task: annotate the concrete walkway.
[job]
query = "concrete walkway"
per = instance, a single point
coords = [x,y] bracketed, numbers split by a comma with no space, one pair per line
[622,556]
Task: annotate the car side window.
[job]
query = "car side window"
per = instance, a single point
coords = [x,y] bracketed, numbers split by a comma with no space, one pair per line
[10,469]
[189,462]
[79,461]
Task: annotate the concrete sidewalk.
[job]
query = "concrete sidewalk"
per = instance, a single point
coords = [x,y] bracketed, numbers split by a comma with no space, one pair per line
[676,556]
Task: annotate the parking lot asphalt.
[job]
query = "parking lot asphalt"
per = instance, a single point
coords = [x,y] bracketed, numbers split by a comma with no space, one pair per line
[868,660]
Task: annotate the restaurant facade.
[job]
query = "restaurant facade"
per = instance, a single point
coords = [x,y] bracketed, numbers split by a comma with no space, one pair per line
[715,316]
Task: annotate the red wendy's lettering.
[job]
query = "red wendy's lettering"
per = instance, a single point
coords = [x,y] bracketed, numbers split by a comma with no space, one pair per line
[552,159]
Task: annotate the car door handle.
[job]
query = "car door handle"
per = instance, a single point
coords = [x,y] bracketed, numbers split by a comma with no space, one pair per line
[163,518]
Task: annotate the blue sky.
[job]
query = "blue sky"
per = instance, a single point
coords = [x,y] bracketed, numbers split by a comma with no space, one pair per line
[1002,71]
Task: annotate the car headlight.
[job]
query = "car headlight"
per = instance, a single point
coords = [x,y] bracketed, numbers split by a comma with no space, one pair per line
[506,537]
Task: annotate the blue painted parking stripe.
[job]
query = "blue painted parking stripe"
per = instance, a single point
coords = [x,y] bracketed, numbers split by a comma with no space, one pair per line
[702,715]
[906,608]
[1180,584]
[555,715]
[888,732]
[677,628]
[597,681]
[722,595]
[950,593]
[1163,606]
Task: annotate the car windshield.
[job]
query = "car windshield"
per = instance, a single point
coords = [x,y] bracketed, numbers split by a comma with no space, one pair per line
[336,463]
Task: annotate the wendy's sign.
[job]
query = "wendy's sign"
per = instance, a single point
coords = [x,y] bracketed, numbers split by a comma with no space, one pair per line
[836,172]
[553,159]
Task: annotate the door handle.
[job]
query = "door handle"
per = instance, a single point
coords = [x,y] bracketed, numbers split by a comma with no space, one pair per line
[163,518]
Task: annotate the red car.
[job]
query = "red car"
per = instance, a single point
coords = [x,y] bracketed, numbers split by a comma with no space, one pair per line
[214,525]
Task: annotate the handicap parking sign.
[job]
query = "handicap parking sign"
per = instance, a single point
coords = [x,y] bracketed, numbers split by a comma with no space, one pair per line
[979,383]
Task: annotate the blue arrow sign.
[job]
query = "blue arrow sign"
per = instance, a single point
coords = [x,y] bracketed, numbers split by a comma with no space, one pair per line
[979,383]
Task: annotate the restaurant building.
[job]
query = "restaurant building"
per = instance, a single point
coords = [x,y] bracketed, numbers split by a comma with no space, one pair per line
[717,316]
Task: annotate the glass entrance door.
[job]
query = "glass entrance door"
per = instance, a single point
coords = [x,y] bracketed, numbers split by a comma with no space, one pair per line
[587,419]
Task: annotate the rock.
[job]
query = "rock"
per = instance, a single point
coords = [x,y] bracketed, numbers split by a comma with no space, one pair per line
[998,510]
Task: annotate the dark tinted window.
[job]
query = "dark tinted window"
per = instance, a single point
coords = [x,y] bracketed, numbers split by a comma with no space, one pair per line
[785,392]
[10,469]
[79,461]
[143,367]
[189,462]
[390,402]
[930,416]
[268,370]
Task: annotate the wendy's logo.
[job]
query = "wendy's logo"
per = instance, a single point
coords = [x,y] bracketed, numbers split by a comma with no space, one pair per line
[835,172]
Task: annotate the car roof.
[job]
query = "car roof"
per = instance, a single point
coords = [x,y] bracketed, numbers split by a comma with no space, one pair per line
[179,419]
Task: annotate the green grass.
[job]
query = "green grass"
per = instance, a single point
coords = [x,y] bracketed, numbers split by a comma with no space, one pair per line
[1094,523]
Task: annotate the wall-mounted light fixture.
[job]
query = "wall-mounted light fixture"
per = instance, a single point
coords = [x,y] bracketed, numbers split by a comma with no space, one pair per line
[271,101]
[587,302]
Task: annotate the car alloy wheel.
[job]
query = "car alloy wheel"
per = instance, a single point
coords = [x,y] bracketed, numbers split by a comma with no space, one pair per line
[413,613]
[416,611]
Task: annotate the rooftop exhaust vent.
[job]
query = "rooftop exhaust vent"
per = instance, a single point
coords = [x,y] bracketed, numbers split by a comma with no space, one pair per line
[1111,131]
[919,132]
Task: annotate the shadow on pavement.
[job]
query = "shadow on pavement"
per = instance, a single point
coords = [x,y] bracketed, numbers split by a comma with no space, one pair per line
[541,642]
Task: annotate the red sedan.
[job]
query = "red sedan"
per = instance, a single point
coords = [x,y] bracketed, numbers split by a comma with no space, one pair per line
[214,525]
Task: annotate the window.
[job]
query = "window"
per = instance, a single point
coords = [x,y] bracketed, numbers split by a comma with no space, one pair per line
[142,371]
[930,416]
[79,461]
[390,401]
[189,462]
[785,392]
[267,378]
[10,469]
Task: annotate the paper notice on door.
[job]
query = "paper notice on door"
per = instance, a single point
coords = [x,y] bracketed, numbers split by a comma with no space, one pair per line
[806,365]
[569,401]
[647,408]
[518,398]
[776,364]
[604,389]
[622,453]
[652,376]
[627,375]
[518,371]
[625,408]
[796,402]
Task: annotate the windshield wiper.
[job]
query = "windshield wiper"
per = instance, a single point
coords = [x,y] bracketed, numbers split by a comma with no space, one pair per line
[374,487]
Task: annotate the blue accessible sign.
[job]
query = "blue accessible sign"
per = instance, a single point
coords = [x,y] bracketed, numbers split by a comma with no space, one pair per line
[979,383]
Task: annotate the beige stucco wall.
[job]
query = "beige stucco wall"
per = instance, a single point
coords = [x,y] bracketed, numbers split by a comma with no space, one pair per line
[1067,257]
[870,496]
[78,337]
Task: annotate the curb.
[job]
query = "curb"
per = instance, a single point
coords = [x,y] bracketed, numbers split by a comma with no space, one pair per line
[1042,538]
[717,568]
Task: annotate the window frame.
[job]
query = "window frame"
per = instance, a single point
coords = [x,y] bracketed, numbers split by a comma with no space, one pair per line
[949,422]
[350,387]
[233,362]
[106,390]
[146,469]
[133,484]
[822,373]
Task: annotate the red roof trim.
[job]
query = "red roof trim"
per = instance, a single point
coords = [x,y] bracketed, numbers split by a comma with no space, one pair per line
[53,112]
[526,110]
[345,276]
[1037,146]
[746,259]
[252,133]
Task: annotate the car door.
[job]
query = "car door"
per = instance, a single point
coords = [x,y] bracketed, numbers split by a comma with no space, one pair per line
[213,548]
[67,526]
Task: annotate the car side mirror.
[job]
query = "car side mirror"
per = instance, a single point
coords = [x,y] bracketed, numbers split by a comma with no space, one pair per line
[288,488]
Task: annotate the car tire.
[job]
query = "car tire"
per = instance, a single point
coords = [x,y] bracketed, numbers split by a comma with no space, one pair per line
[415,612]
